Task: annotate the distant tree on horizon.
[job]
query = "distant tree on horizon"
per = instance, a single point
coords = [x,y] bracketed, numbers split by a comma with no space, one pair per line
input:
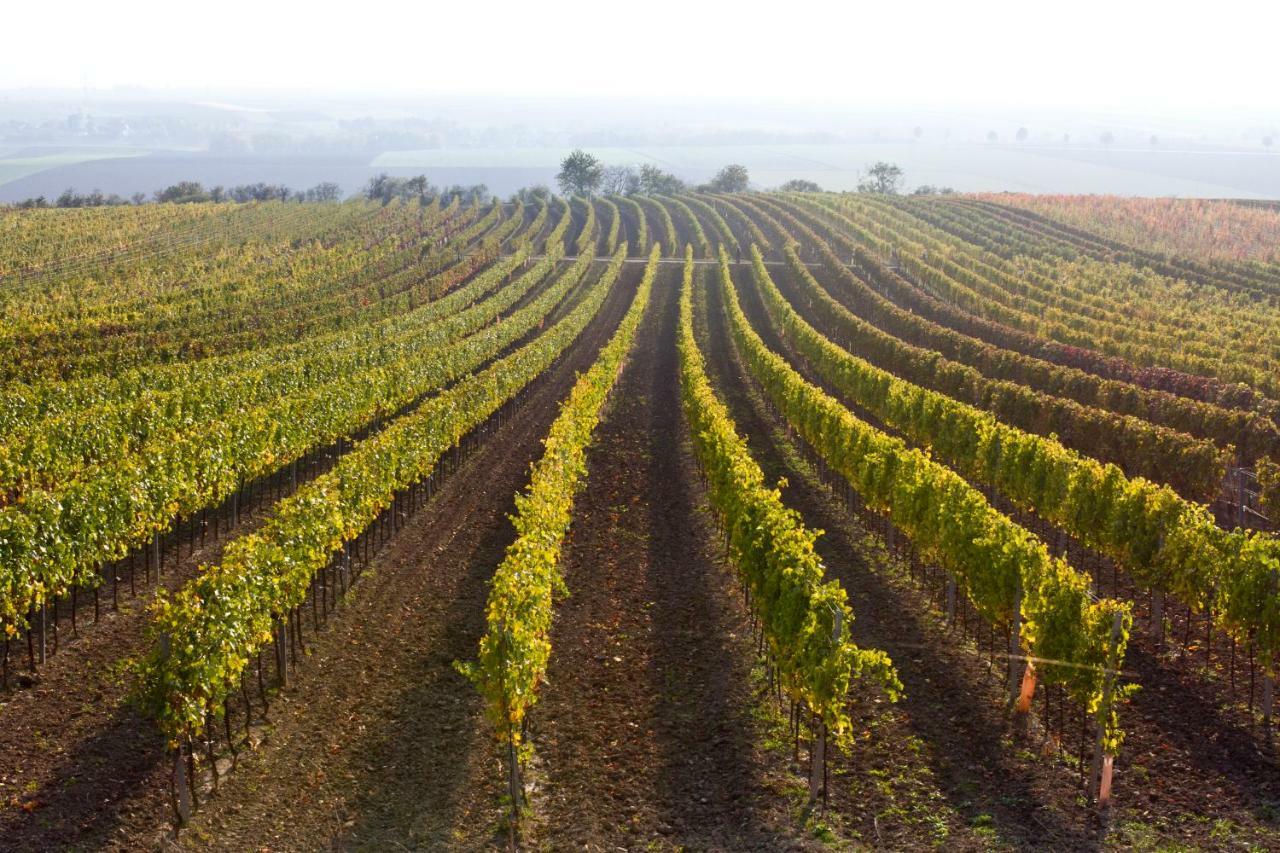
[181,192]
[580,174]
[537,192]
[733,178]
[619,180]
[324,191]
[800,185]
[882,178]
[655,181]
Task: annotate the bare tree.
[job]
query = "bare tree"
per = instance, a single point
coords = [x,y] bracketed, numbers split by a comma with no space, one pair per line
[618,180]
[882,178]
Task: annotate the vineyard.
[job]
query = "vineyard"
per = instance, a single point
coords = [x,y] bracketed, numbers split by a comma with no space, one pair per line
[711,520]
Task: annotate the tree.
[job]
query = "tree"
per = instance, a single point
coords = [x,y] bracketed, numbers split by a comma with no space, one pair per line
[733,178]
[580,174]
[882,178]
[384,188]
[380,187]
[992,136]
[1155,141]
[800,185]
[930,189]
[324,192]
[619,180]
[260,192]
[537,192]
[182,192]
[1022,134]
[654,181]
[1107,138]
[475,194]
[417,185]
[917,131]
[1268,141]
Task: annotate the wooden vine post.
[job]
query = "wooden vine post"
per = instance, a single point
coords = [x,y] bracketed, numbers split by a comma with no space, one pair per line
[155,555]
[280,641]
[180,792]
[515,789]
[1022,686]
[951,599]
[818,756]
[1157,606]
[1104,763]
[1269,674]
[179,785]
[1015,649]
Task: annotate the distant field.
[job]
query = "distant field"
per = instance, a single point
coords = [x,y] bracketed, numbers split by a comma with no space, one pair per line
[1193,172]
[968,168]
[15,166]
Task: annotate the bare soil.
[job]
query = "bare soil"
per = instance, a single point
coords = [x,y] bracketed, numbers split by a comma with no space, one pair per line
[379,742]
[646,732]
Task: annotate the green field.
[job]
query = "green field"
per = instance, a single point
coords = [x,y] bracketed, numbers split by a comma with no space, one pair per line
[1216,173]
[13,167]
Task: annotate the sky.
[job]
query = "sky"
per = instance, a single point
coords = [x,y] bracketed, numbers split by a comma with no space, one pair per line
[1162,57]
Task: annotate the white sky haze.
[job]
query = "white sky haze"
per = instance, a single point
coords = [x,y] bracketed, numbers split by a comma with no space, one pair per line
[1159,56]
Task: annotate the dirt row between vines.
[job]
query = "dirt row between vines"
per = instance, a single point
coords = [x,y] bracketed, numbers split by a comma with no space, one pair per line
[379,742]
[1188,772]
[1194,766]
[939,767]
[78,763]
[646,732]
[81,766]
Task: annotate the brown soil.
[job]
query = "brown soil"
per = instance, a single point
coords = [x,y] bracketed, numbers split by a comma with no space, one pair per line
[653,730]
[645,732]
[1194,769]
[78,764]
[379,742]
[940,767]
[1186,727]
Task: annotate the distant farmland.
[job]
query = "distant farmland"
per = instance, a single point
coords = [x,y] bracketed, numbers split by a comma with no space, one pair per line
[1182,171]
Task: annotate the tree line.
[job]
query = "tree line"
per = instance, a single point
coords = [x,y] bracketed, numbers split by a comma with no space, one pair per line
[386,188]
[188,192]
[581,173]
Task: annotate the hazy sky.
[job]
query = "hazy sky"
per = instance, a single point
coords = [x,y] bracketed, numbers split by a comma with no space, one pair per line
[1159,56]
